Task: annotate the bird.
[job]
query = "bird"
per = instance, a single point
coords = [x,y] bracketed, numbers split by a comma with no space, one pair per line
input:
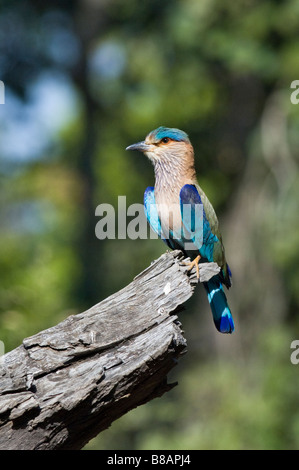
[176,187]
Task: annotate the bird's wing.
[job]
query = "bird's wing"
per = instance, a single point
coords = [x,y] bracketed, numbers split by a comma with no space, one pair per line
[196,224]
[152,216]
[150,209]
[208,242]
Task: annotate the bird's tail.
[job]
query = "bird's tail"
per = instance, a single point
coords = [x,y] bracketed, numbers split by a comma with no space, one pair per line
[221,312]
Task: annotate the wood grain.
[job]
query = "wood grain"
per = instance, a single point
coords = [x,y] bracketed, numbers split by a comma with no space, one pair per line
[66,384]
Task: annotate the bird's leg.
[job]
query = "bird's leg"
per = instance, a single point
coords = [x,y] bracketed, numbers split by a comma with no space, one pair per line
[193,263]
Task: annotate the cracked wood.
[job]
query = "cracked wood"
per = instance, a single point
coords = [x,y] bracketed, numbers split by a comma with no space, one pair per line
[66,384]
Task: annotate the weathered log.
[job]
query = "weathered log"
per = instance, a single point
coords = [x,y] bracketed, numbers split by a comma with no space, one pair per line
[66,384]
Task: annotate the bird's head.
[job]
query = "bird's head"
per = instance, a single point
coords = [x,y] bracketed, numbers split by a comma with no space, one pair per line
[164,145]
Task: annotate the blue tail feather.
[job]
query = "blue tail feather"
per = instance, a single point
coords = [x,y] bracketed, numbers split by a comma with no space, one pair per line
[221,312]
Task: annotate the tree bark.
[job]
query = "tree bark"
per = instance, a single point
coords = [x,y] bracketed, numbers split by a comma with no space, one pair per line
[66,384]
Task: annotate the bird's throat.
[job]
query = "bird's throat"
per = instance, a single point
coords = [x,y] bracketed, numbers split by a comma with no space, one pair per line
[172,174]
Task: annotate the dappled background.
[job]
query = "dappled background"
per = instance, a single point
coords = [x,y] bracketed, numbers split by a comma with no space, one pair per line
[83,80]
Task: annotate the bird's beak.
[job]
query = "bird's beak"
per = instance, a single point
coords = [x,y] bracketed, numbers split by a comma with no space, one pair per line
[141,146]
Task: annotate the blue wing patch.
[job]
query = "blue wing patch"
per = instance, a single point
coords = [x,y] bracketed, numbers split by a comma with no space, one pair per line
[150,209]
[152,216]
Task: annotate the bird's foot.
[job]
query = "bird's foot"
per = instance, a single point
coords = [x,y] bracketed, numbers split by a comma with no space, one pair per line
[193,263]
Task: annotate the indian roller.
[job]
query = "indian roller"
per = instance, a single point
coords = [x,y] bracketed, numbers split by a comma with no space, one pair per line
[176,187]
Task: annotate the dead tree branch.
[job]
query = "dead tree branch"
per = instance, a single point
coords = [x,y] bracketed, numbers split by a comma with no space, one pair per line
[66,384]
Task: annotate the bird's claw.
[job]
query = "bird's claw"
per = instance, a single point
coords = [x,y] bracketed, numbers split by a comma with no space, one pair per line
[193,263]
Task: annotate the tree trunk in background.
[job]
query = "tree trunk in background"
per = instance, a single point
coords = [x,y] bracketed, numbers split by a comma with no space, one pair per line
[87,246]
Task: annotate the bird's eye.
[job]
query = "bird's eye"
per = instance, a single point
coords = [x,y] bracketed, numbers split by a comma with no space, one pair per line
[165,140]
